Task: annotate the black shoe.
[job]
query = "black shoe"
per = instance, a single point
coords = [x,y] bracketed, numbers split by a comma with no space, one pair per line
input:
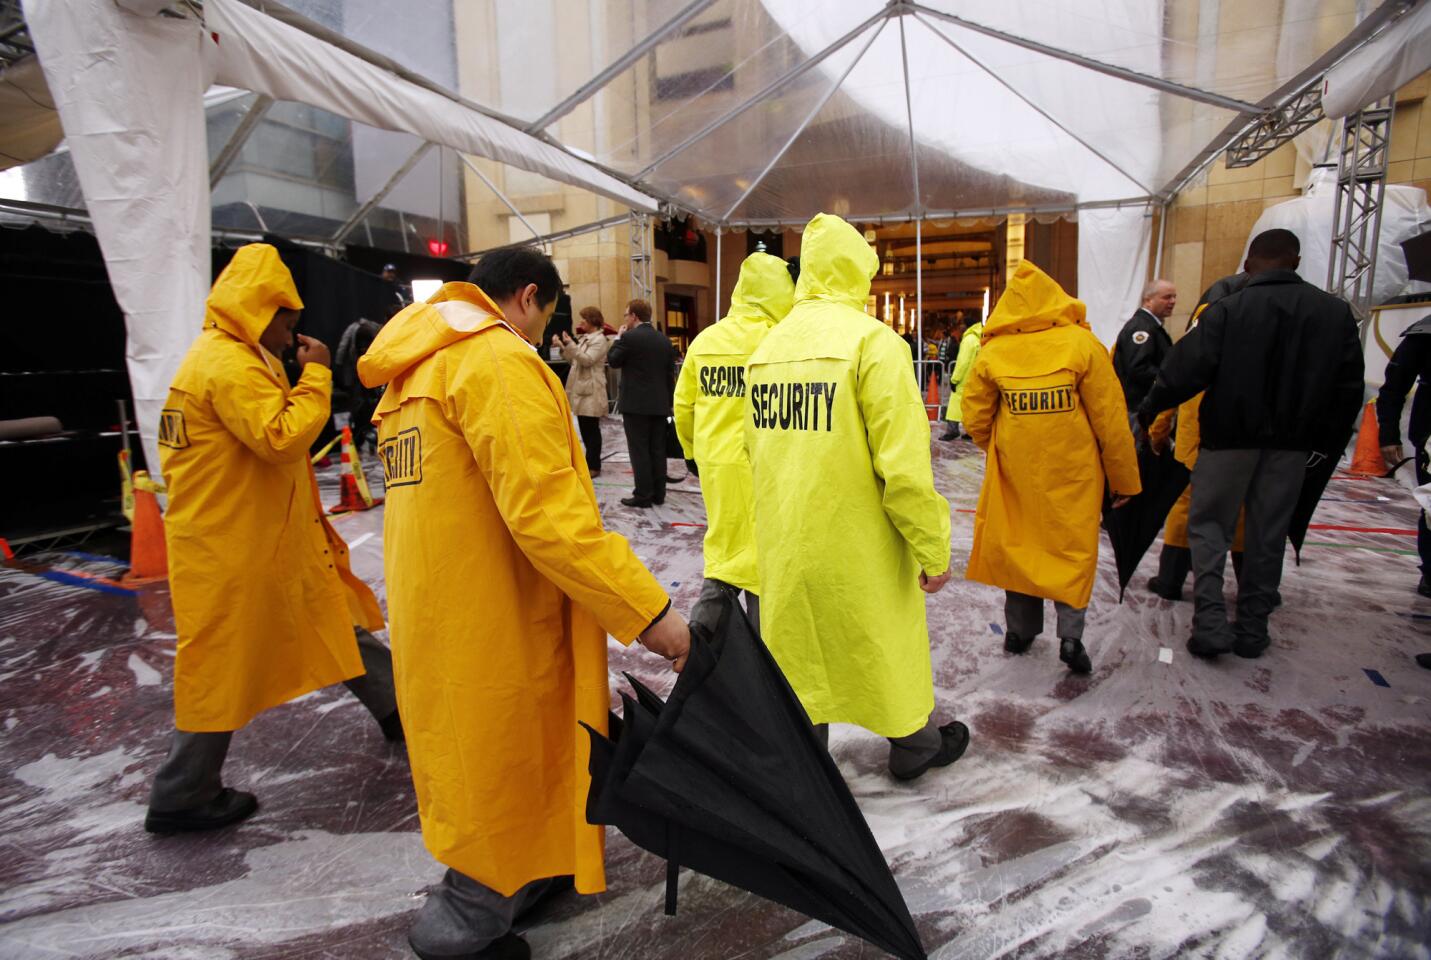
[1072,653]
[508,947]
[1156,586]
[659,502]
[392,728]
[1013,643]
[1249,649]
[674,479]
[951,434]
[1199,647]
[1424,660]
[230,806]
[955,737]
[1424,588]
[635,502]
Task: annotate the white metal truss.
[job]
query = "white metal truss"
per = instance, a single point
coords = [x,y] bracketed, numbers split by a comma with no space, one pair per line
[643,280]
[1356,218]
[1277,127]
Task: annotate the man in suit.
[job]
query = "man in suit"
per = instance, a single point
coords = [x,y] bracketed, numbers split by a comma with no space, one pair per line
[647,362]
[1143,342]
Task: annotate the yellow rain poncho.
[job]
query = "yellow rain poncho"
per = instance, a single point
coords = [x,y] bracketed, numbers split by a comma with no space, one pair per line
[710,414]
[502,586]
[846,515]
[959,379]
[1043,401]
[264,603]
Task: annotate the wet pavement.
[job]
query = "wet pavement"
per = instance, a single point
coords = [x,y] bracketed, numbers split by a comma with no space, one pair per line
[1269,808]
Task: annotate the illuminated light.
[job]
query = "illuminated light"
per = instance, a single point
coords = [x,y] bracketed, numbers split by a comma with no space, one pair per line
[438,248]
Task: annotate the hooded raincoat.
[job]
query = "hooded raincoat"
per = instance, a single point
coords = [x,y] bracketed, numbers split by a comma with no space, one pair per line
[846,514]
[502,586]
[264,603]
[710,414]
[1044,403]
[959,379]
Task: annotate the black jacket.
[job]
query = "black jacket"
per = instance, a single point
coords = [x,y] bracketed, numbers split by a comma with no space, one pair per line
[647,362]
[1409,366]
[1138,353]
[1281,363]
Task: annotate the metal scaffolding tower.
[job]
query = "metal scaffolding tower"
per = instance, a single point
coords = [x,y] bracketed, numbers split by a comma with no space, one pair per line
[1294,116]
[1356,220]
[643,281]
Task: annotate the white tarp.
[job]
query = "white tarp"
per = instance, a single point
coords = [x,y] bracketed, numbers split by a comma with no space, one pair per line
[130,94]
[254,51]
[1113,247]
[1400,54]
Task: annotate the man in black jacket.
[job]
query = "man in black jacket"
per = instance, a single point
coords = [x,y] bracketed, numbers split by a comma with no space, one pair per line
[647,362]
[1410,366]
[1144,342]
[1282,366]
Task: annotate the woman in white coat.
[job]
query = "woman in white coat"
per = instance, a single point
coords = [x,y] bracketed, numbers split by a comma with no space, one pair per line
[586,382]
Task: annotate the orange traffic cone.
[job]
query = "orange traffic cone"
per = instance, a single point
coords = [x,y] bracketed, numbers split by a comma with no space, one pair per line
[353,492]
[1367,459]
[148,556]
[931,398]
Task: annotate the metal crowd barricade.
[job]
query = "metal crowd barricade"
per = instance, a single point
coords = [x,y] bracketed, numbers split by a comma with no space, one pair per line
[924,371]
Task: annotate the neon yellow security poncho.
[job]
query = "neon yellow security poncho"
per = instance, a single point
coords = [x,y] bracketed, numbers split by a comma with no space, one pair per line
[846,515]
[959,378]
[710,409]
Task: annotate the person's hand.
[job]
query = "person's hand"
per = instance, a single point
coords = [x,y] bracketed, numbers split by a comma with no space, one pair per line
[1120,501]
[565,337]
[669,637]
[313,351]
[1392,454]
[934,584]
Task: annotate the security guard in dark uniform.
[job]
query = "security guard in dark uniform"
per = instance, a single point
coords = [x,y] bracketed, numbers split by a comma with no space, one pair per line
[1143,343]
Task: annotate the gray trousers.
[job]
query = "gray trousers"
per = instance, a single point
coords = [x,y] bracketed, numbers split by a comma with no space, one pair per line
[1023,616]
[905,753]
[706,612]
[1268,483]
[192,773]
[462,917]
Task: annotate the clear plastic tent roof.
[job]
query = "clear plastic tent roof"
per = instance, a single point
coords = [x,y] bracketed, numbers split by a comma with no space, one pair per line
[758,111]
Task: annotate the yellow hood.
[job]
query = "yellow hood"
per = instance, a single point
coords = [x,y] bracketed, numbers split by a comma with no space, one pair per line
[249,292]
[1033,301]
[424,328]
[764,290]
[836,263]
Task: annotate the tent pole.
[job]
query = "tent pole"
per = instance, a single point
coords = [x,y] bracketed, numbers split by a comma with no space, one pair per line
[247,125]
[1098,66]
[917,208]
[618,66]
[716,285]
[500,195]
[919,285]
[809,118]
[1035,107]
[769,90]
[1162,232]
[382,193]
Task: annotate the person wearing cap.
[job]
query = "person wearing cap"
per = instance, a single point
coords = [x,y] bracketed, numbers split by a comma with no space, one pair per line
[264,603]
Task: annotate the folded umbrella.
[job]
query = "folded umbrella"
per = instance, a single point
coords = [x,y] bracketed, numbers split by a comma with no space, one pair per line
[727,777]
[1320,468]
[1133,527]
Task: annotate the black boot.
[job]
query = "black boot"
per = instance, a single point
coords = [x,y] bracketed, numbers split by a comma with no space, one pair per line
[1423,587]
[230,806]
[1173,566]
[951,432]
[1014,643]
[1072,653]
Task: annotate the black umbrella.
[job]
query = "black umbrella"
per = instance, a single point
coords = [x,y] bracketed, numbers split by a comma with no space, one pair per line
[727,777]
[1320,468]
[1133,527]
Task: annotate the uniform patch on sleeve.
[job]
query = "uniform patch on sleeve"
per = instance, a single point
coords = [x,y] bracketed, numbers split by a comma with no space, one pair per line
[402,458]
[172,431]
[1140,337]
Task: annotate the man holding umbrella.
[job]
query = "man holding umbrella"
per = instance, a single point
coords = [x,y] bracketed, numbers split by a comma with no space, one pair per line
[848,526]
[502,588]
[1044,403]
[1282,366]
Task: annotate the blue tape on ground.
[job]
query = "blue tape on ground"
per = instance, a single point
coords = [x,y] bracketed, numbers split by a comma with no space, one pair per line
[1375,677]
[70,580]
[998,630]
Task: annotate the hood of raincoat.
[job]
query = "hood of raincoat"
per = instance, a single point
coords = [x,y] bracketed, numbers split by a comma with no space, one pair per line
[424,328]
[1033,301]
[836,263]
[249,292]
[764,290]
